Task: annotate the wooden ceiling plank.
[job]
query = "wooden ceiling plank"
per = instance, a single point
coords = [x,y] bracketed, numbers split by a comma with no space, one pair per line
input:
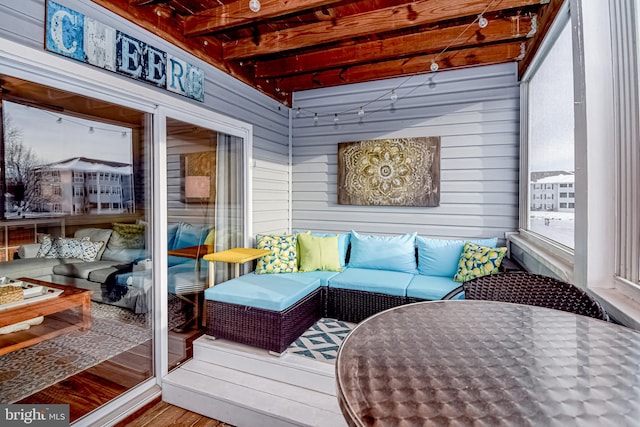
[485,55]
[420,12]
[232,15]
[431,41]
[168,27]
[544,20]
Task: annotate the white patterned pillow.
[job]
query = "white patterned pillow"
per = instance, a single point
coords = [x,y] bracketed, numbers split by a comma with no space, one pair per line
[45,246]
[83,249]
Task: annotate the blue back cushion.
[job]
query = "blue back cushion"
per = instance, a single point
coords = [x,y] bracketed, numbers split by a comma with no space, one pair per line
[439,257]
[396,253]
[190,235]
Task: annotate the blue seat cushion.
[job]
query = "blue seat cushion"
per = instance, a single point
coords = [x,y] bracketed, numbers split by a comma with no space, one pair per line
[431,287]
[275,292]
[379,281]
[185,278]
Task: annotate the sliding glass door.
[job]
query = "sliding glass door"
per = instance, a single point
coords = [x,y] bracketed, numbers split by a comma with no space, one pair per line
[205,193]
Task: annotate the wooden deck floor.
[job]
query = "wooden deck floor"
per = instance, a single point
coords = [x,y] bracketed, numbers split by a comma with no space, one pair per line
[163,414]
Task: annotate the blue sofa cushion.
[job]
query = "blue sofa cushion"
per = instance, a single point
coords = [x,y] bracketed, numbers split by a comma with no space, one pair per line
[379,281]
[440,257]
[189,235]
[323,276]
[275,292]
[430,287]
[396,253]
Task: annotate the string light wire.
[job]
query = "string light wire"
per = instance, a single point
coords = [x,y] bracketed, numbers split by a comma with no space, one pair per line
[392,94]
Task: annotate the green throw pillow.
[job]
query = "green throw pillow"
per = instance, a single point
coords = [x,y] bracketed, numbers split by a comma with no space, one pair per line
[283,256]
[477,261]
[318,253]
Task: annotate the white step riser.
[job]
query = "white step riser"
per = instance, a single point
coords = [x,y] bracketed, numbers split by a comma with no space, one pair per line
[243,399]
[292,369]
[228,412]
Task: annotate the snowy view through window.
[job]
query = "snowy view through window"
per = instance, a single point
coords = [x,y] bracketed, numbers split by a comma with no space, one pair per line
[551,145]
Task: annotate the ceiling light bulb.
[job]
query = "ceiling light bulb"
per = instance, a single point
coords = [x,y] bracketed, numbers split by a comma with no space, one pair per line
[434,67]
[394,95]
[254,5]
[361,112]
[482,21]
[315,118]
[298,112]
[335,118]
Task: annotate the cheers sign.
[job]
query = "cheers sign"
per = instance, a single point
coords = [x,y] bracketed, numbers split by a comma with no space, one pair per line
[76,36]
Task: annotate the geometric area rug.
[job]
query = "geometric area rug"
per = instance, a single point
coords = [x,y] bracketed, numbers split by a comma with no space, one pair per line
[31,369]
[322,340]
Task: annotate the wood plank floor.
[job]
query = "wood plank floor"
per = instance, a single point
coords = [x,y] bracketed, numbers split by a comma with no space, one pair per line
[162,414]
[95,386]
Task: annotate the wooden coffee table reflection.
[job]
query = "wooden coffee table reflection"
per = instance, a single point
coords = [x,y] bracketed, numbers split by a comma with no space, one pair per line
[70,298]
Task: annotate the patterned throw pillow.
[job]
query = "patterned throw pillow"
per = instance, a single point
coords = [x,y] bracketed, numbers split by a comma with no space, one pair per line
[45,246]
[477,261]
[127,236]
[283,256]
[83,249]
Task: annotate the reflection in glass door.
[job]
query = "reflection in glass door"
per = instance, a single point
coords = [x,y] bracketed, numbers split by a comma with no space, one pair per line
[205,213]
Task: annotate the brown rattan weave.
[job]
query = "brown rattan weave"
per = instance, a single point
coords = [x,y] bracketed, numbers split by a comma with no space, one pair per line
[271,330]
[534,289]
[354,306]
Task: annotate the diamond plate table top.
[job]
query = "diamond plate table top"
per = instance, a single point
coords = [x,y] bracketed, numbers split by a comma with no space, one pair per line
[485,363]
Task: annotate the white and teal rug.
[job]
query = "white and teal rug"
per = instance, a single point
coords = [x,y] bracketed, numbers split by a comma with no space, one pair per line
[322,340]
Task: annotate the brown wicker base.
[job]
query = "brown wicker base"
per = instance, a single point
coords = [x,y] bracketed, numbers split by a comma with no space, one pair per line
[271,330]
[355,306]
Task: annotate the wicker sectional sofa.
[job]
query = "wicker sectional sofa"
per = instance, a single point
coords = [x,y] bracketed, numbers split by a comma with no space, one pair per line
[270,311]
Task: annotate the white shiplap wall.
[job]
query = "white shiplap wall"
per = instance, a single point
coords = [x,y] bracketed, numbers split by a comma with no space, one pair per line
[22,21]
[475,111]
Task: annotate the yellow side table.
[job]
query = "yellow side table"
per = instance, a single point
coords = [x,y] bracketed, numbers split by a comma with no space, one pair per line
[236,256]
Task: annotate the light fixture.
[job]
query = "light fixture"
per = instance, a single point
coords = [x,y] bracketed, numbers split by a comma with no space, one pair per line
[124,134]
[91,129]
[394,96]
[361,112]
[315,118]
[298,112]
[59,120]
[335,118]
[434,66]
[482,21]
[254,5]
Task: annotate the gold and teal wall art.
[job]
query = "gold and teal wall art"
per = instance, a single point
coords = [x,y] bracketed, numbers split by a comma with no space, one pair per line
[390,172]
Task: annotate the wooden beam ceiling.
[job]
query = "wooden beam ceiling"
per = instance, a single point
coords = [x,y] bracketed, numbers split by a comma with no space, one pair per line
[293,45]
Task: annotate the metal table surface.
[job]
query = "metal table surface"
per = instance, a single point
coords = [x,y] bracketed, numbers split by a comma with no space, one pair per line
[487,363]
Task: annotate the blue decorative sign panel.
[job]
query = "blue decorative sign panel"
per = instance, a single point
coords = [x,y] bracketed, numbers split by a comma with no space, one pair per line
[73,35]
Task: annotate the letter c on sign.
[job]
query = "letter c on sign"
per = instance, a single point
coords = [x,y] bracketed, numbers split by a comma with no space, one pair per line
[57,21]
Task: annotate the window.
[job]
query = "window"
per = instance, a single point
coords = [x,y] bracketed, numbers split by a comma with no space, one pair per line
[550,137]
[563,205]
[563,195]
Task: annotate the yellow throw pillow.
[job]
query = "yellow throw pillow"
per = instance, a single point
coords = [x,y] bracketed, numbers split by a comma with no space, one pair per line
[283,256]
[318,253]
[477,261]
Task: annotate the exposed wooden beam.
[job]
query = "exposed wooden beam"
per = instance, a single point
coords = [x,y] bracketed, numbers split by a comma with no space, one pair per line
[160,21]
[146,2]
[485,55]
[431,41]
[235,14]
[544,21]
[420,12]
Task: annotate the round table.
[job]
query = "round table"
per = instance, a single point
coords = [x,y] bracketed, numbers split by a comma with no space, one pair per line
[488,363]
